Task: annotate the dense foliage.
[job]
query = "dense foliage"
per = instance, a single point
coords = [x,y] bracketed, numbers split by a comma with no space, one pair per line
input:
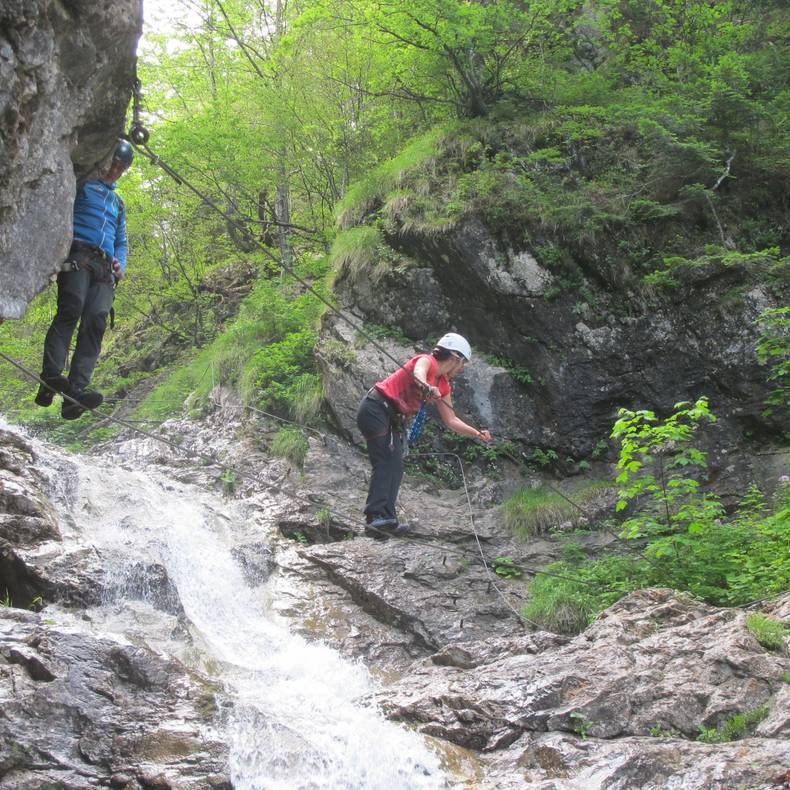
[683,537]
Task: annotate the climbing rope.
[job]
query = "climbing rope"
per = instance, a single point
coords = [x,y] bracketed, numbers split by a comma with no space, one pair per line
[489,574]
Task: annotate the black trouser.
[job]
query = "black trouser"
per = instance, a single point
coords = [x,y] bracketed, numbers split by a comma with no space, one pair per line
[85,295]
[381,425]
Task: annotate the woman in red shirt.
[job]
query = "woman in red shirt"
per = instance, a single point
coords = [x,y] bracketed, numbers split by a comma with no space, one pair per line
[382,415]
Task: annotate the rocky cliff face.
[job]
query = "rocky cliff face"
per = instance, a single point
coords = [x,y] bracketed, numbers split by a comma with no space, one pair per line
[582,352]
[66,70]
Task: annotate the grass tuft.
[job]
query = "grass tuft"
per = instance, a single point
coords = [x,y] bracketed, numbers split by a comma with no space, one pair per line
[768,631]
[735,728]
[364,196]
[290,443]
[534,511]
[355,252]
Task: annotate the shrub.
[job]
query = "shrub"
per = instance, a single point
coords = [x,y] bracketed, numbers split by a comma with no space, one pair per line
[691,544]
[290,443]
[282,373]
[769,632]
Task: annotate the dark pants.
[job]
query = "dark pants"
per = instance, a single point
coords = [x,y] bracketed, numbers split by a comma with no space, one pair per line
[84,295]
[381,427]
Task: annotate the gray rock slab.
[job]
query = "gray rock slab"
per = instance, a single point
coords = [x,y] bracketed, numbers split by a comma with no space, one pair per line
[652,663]
[66,72]
[80,711]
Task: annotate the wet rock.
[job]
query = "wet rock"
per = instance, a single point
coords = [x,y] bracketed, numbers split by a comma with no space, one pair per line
[41,563]
[256,561]
[654,663]
[27,516]
[80,711]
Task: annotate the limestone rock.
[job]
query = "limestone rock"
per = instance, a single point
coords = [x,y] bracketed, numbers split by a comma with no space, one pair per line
[79,711]
[582,353]
[26,514]
[66,71]
[653,664]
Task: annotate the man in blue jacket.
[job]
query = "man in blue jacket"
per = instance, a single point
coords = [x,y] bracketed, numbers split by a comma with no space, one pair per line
[96,261]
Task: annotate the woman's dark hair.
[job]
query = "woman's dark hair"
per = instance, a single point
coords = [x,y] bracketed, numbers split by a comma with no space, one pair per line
[441,353]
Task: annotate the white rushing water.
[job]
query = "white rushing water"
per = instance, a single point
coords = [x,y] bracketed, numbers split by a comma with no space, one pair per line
[298,717]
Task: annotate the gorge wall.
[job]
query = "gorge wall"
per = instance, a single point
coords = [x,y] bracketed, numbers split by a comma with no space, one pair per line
[66,72]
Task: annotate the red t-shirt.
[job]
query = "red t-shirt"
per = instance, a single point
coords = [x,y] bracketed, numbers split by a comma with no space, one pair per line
[402,389]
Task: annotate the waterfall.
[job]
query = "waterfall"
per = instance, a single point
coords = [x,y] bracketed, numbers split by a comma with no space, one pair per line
[300,715]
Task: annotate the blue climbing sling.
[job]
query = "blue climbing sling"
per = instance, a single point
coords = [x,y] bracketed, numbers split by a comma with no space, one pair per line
[416,427]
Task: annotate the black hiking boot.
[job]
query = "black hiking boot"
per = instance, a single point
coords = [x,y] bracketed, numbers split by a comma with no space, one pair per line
[384,528]
[88,399]
[46,394]
[380,528]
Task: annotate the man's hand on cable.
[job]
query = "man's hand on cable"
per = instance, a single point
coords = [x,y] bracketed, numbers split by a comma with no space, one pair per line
[116,269]
[484,436]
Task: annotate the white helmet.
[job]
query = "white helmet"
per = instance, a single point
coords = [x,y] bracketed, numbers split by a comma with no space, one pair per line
[453,342]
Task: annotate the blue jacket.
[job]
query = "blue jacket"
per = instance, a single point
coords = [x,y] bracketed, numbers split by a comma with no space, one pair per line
[100,219]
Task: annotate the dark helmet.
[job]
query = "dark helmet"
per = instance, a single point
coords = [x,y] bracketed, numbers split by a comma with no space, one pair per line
[124,153]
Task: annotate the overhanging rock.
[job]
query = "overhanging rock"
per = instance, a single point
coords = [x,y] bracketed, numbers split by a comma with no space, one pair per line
[66,71]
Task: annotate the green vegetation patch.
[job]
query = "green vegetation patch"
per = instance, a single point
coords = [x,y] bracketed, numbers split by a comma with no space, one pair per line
[687,541]
[372,190]
[569,595]
[768,631]
[535,511]
[267,354]
[735,728]
[291,443]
